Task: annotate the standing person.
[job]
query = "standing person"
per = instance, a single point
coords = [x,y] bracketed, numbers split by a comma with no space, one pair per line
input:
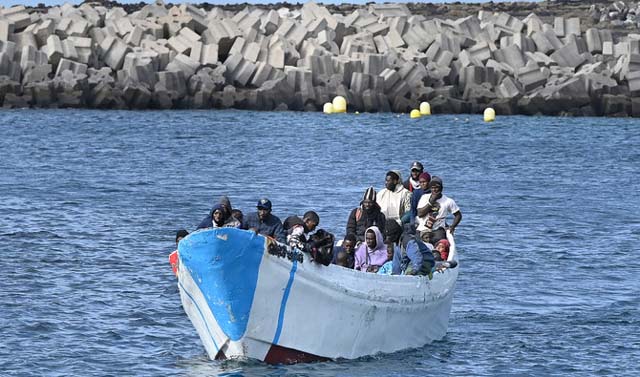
[394,200]
[433,209]
[265,223]
[424,180]
[412,183]
[368,214]
[372,253]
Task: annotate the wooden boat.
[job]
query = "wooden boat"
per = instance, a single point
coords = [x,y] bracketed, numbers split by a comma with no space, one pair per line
[248,298]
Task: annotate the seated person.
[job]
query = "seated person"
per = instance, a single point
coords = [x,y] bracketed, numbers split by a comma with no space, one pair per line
[229,221]
[368,214]
[372,253]
[320,246]
[393,231]
[441,250]
[341,259]
[413,257]
[265,223]
[237,214]
[298,228]
[173,257]
[347,249]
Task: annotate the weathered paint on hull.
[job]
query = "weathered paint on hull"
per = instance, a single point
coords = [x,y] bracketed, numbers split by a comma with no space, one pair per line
[282,311]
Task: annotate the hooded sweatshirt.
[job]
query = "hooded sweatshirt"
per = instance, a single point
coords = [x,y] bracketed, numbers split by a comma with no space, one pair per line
[394,204]
[229,221]
[366,256]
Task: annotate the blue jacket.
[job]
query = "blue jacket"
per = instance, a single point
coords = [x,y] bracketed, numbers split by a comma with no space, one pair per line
[415,253]
[271,227]
[415,198]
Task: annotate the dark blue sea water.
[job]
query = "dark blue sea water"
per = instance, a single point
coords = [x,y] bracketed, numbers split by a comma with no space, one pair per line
[90,202]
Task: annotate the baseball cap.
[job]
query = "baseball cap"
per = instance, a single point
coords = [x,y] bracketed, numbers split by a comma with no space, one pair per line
[264,203]
[417,165]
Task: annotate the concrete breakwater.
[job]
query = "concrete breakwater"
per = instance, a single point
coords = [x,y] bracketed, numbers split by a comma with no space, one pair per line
[380,57]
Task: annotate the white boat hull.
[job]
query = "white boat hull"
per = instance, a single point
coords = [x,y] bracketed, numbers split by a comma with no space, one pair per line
[302,311]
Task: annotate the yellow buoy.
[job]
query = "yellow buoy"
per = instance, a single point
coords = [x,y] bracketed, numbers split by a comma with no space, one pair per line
[357,112]
[328,108]
[339,104]
[425,108]
[415,113]
[489,114]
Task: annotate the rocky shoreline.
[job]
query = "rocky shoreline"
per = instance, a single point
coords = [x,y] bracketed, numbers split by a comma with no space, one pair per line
[552,58]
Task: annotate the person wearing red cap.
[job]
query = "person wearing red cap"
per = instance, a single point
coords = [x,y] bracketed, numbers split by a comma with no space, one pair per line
[424,180]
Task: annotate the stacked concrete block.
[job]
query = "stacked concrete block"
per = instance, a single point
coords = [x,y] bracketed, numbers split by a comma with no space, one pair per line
[17,15]
[223,33]
[564,27]
[568,56]
[69,65]
[546,41]
[238,70]
[512,56]
[438,55]
[184,41]
[55,52]
[417,37]
[531,76]
[292,31]
[533,23]
[140,66]
[113,50]
[183,63]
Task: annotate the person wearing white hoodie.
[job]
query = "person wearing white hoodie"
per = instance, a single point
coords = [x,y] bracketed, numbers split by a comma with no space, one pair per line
[394,200]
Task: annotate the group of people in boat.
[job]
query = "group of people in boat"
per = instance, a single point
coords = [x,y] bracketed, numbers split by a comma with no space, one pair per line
[400,229]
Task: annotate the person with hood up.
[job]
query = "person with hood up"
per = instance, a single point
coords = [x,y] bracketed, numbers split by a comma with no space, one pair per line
[394,200]
[372,253]
[223,205]
[368,214]
[433,209]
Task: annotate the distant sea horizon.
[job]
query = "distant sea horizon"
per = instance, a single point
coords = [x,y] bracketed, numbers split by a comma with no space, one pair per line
[32,3]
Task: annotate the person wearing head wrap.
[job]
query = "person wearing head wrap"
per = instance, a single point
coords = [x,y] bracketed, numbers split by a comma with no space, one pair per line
[441,250]
[394,200]
[224,206]
[433,209]
[368,214]
[372,253]
[423,180]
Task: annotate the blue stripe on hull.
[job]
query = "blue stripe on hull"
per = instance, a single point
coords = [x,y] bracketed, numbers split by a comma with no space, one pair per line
[283,304]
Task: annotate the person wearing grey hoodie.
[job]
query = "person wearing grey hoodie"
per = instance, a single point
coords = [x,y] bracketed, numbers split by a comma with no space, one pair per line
[394,200]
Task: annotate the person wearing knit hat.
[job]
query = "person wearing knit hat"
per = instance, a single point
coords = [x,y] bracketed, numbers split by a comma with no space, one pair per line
[368,214]
[394,200]
[412,183]
[433,209]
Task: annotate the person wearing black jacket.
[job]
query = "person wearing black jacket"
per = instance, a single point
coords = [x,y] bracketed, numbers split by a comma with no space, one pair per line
[368,214]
